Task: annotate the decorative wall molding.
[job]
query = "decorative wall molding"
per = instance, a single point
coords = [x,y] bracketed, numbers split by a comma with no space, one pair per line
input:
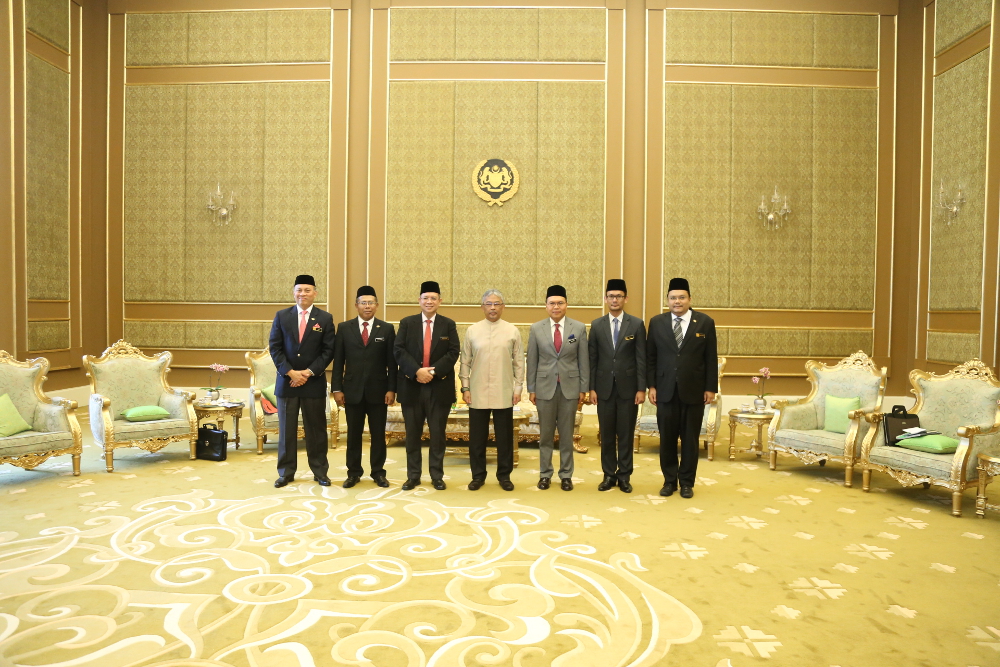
[963,50]
[756,75]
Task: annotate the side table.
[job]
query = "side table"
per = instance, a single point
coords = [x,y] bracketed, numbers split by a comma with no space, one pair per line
[989,467]
[218,414]
[751,419]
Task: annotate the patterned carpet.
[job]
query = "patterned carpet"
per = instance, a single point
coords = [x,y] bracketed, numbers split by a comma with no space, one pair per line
[172,562]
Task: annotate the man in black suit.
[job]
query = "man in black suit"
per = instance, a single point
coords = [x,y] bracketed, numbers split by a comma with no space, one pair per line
[617,347]
[301,343]
[426,350]
[367,387]
[682,356]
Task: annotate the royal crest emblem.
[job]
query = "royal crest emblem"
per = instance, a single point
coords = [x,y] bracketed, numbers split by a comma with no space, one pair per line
[495,181]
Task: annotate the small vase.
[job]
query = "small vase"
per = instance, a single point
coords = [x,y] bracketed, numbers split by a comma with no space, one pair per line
[760,404]
[211,395]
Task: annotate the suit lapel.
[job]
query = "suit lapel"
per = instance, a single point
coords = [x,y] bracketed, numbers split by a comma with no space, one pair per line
[693,327]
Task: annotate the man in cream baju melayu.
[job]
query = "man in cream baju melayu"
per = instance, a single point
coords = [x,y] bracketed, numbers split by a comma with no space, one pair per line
[492,374]
[558,377]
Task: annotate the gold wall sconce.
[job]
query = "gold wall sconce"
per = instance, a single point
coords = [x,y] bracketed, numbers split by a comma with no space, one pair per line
[773,216]
[952,207]
[222,211]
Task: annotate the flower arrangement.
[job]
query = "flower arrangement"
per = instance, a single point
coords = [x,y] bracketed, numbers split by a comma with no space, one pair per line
[218,369]
[759,380]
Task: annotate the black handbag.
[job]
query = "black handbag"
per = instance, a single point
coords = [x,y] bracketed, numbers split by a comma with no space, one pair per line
[212,443]
[894,423]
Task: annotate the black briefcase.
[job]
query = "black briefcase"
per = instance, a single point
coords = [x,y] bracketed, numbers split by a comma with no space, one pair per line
[894,423]
[212,442]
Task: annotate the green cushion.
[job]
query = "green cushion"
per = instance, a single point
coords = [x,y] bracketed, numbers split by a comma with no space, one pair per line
[11,422]
[269,394]
[933,444]
[145,413]
[837,408]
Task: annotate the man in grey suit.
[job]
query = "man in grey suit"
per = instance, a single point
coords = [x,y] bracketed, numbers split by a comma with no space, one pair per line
[617,346]
[558,379]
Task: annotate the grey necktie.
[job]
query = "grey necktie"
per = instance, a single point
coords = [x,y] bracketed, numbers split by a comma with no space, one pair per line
[678,332]
[614,333]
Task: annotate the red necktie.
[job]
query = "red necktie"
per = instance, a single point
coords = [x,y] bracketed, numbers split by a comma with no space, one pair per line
[557,340]
[302,324]
[364,333]
[427,345]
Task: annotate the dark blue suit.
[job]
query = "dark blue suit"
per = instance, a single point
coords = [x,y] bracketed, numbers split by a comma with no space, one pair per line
[315,353]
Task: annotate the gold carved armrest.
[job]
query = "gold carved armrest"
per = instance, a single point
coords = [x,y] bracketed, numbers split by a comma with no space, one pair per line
[796,414]
[102,424]
[875,419]
[969,447]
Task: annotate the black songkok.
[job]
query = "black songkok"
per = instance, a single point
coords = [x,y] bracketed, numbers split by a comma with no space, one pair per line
[305,280]
[430,286]
[366,290]
[679,283]
[616,285]
[555,290]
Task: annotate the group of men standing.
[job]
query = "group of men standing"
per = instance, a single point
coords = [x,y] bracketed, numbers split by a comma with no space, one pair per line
[374,365]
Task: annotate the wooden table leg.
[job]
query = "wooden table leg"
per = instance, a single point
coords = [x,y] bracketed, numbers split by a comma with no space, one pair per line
[236,429]
[759,449]
[732,439]
[981,494]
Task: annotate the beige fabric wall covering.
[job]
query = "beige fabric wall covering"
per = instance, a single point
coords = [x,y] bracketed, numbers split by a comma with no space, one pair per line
[269,143]
[725,147]
[495,34]
[959,160]
[249,37]
[49,19]
[47,180]
[795,40]
[198,335]
[550,231]
[952,347]
[48,336]
[955,19]
[753,342]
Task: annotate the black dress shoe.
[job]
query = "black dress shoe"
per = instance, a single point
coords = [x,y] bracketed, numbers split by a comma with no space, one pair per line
[380,480]
[439,484]
[322,479]
[567,484]
[475,485]
[283,481]
[351,481]
[410,484]
[625,486]
[668,489]
[687,492]
[543,483]
[608,484]
[506,485]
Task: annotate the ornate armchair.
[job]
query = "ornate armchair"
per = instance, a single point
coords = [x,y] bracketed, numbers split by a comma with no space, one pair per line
[645,422]
[123,378]
[797,426]
[961,404]
[262,375]
[54,427]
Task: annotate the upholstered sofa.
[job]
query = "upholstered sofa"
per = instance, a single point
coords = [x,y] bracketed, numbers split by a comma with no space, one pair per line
[646,424]
[262,375]
[122,378]
[54,427]
[797,427]
[960,404]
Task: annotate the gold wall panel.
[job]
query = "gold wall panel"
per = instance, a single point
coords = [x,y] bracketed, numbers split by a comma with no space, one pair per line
[46,148]
[952,347]
[955,19]
[845,156]
[839,343]
[493,246]
[769,38]
[420,188]
[498,34]
[268,142]
[757,342]
[247,37]
[155,142]
[771,269]
[571,175]
[296,187]
[222,335]
[959,160]
[48,335]
[697,190]
[155,334]
[49,19]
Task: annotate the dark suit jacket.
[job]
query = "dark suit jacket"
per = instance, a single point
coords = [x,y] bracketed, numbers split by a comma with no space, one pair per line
[370,369]
[315,352]
[623,367]
[694,369]
[409,348]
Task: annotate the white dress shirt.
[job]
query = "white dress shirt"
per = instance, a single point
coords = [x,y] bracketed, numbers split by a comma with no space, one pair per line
[562,329]
[298,313]
[371,323]
[685,321]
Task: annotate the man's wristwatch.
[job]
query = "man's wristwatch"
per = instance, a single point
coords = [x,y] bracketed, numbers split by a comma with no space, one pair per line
[465,389]
[432,371]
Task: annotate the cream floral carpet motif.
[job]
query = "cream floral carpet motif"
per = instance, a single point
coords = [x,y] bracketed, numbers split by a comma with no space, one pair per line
[172,562]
